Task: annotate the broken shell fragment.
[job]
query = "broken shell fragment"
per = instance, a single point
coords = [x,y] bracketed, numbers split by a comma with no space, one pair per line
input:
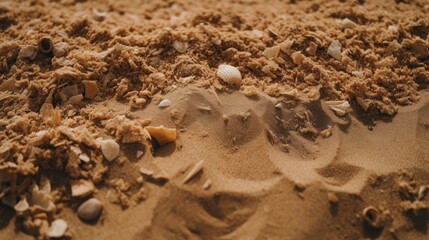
[229,74]
[82,188]
[373,217]
[22,205]
[45,45]
[347,23]
[90,210]
[181,47]
[194,171]
[162,134]
[272,52]
[164,103]
[57,229]
[339,107]
[60,49]
[334,50]
[28,52]
[91,88]
[110,149]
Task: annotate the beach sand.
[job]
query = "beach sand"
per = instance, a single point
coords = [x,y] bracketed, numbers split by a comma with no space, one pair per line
[312,142]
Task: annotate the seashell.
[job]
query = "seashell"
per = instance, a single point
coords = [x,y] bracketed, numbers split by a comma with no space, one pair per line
[22,205]
[57,229]
[28,52]
[347,23]
[45,44]
[91,88]
[74,100]
[339,107]
[196,169]
[229,74]
[60,49]
[334,50]
[90,210]
[422,192]
[164,103]
[272,52]
[82,188]
[139,153]
[146,172]
[162,134]
[373,217]
[181,47]
[84,157]
[110,149]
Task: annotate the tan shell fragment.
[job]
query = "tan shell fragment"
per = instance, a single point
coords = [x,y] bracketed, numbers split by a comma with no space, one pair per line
[162,134]
[229,74]
[28,52]
[91,88]
[272,52]
[22,205]
[339,107]
[82,188]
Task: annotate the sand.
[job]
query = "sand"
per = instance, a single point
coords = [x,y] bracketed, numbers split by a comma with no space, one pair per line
[267,157]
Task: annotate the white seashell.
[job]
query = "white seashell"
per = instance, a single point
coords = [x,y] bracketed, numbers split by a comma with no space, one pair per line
[334,50]
[22,205]
[41,199]
[229,74]
[196,169]
[347,23]
[164,103]
[28,52]
[110,149]
[90,209]
[82,188]
[146,172]
[57,229]
[272,52]
[181,47]
[339,107]
[139,153]
[84,157]
[392,28]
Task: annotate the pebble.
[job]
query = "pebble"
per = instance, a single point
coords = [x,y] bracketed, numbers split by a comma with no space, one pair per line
[110,149]
[90,210]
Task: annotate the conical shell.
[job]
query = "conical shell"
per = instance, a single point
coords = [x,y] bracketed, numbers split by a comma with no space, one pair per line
[229,74]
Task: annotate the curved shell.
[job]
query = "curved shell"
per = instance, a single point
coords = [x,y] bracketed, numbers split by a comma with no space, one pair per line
[82,188]
[373,217]
[162,134]
[164,103]
[229,74]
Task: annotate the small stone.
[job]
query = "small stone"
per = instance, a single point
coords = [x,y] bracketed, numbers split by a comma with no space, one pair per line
[110,149]
[334,50]
[57,229]
[90,210]
[333,198]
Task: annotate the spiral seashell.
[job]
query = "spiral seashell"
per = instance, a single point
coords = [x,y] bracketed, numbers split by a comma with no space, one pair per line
[373,217]
[229,74]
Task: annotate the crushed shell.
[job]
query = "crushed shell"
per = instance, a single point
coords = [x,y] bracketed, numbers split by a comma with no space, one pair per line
[162,134]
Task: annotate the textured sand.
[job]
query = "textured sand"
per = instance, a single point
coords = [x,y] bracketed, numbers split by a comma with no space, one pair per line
[275,161]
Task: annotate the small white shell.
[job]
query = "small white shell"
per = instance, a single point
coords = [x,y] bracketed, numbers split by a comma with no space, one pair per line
[181,47]
[84,157]
[164,103]
[334,50]
[110,149]
[339,107]
[229,74]
[22,205]
[57,229]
